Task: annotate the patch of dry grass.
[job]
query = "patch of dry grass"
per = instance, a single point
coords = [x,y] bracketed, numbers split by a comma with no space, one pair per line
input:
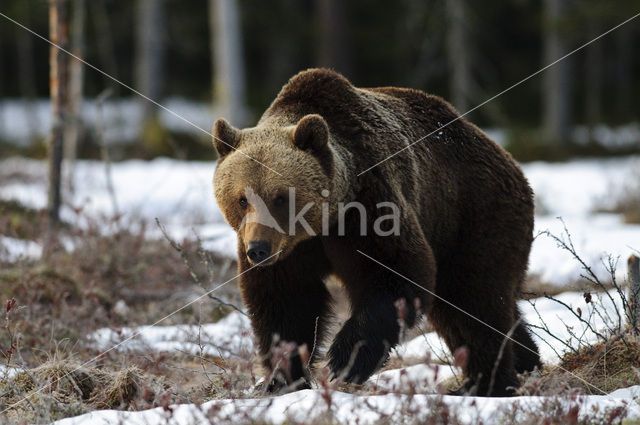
[121,278]
[64,387]
[607,365]
[19,221]
[124,278]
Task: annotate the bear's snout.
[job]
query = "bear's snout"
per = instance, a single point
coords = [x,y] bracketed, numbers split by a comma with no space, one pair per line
[258,251]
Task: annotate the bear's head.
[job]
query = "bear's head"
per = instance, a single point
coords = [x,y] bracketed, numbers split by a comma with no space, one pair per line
[271,182]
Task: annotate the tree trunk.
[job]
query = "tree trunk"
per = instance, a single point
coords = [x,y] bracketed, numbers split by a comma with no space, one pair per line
[104,42]
[26,73]
[76,78]
[149,55]
[2,96]
[281,55]
[458,55]
[593,79]
[59,66]
[333,49]
[557,81]
[634,292]
[624,76]
[227,60]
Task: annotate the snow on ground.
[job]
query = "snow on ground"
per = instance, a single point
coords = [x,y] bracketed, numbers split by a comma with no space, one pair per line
[417,383]
[180,194]
[307,405]
[172,190]
[421,378]
[428,342]
[230,336]
[624,136]
[573,190]
[8,371]
[22,121]
[594,237]
[602,314]
[13,249]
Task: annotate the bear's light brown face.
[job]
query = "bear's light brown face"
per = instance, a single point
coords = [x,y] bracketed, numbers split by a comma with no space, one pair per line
[269,185]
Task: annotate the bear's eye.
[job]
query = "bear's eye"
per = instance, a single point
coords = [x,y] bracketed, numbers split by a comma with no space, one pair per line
[278,201]
[243,202]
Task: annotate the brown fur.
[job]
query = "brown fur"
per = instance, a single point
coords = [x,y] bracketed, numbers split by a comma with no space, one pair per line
[465,233]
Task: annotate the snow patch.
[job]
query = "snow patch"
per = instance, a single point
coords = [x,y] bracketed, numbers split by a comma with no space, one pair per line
[307,405]
[23,121]
[420,378]
[231,336]
[12,249]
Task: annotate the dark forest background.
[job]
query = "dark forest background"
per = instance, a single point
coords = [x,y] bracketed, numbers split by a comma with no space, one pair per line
[465,51]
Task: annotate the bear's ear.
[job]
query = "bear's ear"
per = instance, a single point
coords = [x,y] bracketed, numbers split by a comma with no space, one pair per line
[312,132]
[225,137]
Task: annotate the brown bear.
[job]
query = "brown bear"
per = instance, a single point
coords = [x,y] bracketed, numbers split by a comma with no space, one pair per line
[303,190]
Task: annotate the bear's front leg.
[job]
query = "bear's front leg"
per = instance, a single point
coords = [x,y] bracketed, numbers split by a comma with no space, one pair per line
[363,344]
[288,305]
[381,300]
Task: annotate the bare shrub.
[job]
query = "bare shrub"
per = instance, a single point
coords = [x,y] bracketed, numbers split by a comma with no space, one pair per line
[601,353]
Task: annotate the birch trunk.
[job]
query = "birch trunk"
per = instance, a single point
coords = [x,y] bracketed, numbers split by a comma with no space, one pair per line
[76,79]
[458,55]
[227,60]
[149,75]
[556,89]
[59,68]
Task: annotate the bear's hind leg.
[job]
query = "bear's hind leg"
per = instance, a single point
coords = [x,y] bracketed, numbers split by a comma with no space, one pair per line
[488,371]
[527,356]
[491,365]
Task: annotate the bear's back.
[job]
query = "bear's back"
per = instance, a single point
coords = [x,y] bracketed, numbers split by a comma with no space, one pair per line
[438,148]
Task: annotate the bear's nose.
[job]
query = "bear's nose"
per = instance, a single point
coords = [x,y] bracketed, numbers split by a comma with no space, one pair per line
[258,251]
